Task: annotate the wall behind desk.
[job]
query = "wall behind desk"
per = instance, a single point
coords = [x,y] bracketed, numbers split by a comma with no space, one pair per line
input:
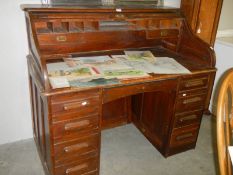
[15,114]
[224,61]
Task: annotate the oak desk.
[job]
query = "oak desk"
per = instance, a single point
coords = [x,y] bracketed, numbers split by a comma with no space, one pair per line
[167,109]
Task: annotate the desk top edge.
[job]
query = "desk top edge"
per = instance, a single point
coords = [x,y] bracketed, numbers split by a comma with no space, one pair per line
[97,8]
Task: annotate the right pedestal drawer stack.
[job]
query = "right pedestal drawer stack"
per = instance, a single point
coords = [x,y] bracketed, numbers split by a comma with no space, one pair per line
[190,104]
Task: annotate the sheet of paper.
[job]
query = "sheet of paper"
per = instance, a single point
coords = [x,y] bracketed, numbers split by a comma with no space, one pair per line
[56,66]
[115,64]
[140,55]
[166,65]
[59,82]
[162,65]
[92,59]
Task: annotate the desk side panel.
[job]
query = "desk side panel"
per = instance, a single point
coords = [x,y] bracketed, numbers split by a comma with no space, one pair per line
[40,121]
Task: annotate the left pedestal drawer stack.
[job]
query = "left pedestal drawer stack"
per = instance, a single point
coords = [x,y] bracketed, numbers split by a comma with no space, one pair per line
[74,133]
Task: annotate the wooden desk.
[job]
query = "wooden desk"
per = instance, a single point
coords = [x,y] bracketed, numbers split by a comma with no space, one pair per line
[167,109]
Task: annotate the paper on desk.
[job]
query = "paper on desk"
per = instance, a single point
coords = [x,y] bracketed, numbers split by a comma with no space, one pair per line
[162,65]
[59,82]
[51,67]
[166,65]
[92,59]
[230,149]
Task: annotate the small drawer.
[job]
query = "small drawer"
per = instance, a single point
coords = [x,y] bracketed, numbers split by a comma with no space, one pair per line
[82,113]
[194,82]
[71,129]
[81,167]
[75,95]
[195,102]
[76,104]
[184,136]
[110,94]
[187,118]
[162,33]
[87,146]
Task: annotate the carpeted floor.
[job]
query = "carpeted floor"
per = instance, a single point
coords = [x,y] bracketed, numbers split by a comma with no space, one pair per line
[125,151]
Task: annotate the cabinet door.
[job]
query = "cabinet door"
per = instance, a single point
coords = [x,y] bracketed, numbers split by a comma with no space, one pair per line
[203,17]
[156,116]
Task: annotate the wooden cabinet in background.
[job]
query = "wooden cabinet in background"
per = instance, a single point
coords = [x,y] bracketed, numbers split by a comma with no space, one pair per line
[203,17]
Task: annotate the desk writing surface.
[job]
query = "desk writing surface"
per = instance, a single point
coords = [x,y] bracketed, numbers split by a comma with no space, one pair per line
[158,52]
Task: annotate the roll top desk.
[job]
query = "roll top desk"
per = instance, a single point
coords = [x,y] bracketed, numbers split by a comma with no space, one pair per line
[167,109]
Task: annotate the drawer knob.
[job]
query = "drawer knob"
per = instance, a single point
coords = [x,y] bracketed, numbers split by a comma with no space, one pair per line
[84,103]
[184,94]
[76,168]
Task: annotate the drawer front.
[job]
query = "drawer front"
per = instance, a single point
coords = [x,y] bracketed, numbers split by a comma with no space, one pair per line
[187,118]
[191,103]
[194,82]
[71,129]
[162,33]
[110,94]
[76,104]
[77,149]
[82,113]
[87,166]
[75,95]
[184,136]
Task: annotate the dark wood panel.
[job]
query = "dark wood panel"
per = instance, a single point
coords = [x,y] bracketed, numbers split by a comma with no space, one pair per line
[81,167]
[156,115]
[194,82]
[81,148]
[203,16]
[137,102]
[187,103]
[184,136]
[187,118]
[115,113]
